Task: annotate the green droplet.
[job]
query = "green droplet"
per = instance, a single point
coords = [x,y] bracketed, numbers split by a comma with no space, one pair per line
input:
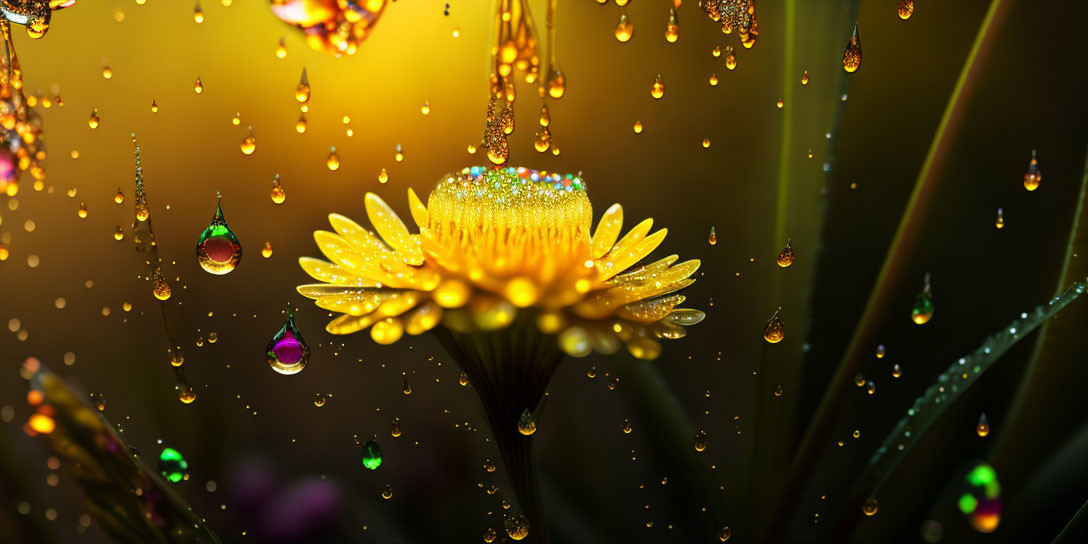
[218,250]
[372,455]
[923,308]
[172,466]
[526,426]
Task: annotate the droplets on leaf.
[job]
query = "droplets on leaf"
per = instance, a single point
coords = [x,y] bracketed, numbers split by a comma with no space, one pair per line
[287,352]
[526,425]
[851,57]
[217,249]
[774,331]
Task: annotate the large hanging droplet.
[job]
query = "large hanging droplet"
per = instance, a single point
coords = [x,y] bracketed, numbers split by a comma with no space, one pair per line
[906,9]
[1032,177]
[657,90]
[851,58]
[923,305]
[672,28]
[730,58]
[218,250]
[624,29]
[302,92]
[287,352]
[785,257]
[517,526]
[372,455]
[172,466]
[249,143]
[556,83]
[775,331]
[526,426]
[981,498]
[279,194]
[983,427]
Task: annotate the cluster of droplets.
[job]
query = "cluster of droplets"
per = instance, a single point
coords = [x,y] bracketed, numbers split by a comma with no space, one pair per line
[735,15]
[21,147]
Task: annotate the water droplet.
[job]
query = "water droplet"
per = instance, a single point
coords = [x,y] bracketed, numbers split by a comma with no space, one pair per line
[906,9]
[859,380]
[880,351]
[300,125]
[627,426]
[82,213]
[624,29]
[871,388]
[489,535]
[870,507]
[463,379]
[249,143]
[320,399]
[237,119]
[93,121]
[287,352]
[780,104]
[1000,221]
[119,197]
[700,441]
[713,79]
[713,238]
[1032,177]
[785,257]
[543,140]
[198,14]
[218,250]
[154,107]
[804,78]
[278,194]
[657,90]
[923,305]
[775,331]
[896,371]
[730,58]
[489,465]
[266,251]
[778,391]
[851,57]
[983,427]
[526,426]
[517,526]
[383,176]
[281,49]
[406,387]
[638,127]
[198,86]
[172,466]
[161,288]
[302,91]
[98,401]
[725,533]
[394,428]
[672,28]
[387,493]
[333,162]
[556,83]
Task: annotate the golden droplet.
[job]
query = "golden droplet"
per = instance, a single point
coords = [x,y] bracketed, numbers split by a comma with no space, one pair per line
[186,395]
[1033,176]
[713,80]
[896,371]
[119,197]
[302,91]
[775,331]
[333,162]
[387,493]
[394,428]
[1000,221]
[624,29]
[425,109]
[236,120]
[471,149]
[983,427]
[778,391]
[717,51]
[249,143]
[320,399]
[870,507]
[627,426]
[266,252]
[706,143]
[730,58]
[177,359]
[399,154]
[700,441]
[672,28]
[281,49]
[851,57]
[871,389]
[725,533]
[119,234]
[526,426]
[638,127]
[107,73]
[517,527]
[545,116]
[154,107]
[543,140]
[198,14]
[859,380]
[713,239]
[93,121]
[82,213]
[880,351]
[198,87]
[785,257]
[804,78]
[781,103]
[300,126]
[906,9]
[383,176]
[463,379]
[657,90]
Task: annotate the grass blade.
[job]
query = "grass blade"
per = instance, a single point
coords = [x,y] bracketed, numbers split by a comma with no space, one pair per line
[1076,528]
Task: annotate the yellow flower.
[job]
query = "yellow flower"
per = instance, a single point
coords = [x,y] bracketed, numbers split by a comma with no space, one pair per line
[493,244]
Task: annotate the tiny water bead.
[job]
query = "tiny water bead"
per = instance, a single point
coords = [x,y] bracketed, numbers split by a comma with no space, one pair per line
[320,399]
[730,58]
[198,86]
[394,428]
[372,455]
[804,78]
[624,29]
[981,501]
[657,89]
[713,80]
[626,426]
[333,162]
[906,9]
[425,109]
[387,492]
[517,526]
[1031,178]
[983,426]
[82,212]
[266,251]
[775,331]
[526,425]
[281,49]
[785,257]
[700,441]
[119,234]
[398,155]
[851,57]
[172,466]
[880,350]
[249,143]
[383,176]
[724,533]
[302,91]
[300,125]
[93,121]
[119,197]
[638,127]
[713,238]
[870,387]
[287,352]
[923,305]
[154,107]
[896,371]
[278,194]
[1000,221]
[218,250]
[870,507]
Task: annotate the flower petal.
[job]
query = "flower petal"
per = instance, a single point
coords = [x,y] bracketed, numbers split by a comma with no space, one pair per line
[392,229]
[331,273]
[608,230]
[418,209]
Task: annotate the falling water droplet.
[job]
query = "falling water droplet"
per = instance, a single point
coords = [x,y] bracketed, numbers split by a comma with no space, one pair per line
[320,399]
[119,234]
[281,49]
[896,371]
[107,72]
[300,125]
[198,87]
[906,9]
[394,428]
[713,238]
[526,426]
[398,155]
[785,257]
[93,121]
[249,143]
[778,391]
[287,352]
[372,457]
[278,194]
[851,57]
[425,109]
[490,535]
[870,507]
[624,29]
[730,58]
[218,250]
[804,78]
[82,213]
[870,388]
[517,526]
[545,116]
[172,466]
[198,14]
[556,83]
[302,91]
[983,427]
[775,331]
[657,90]
[266,251]
[333,162]
[154,107]
[1031,178]
[713,80]
[119,197]
[543,140]
[923,305]
[1000,221]
[672,28]
[700,441]
[638,127]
